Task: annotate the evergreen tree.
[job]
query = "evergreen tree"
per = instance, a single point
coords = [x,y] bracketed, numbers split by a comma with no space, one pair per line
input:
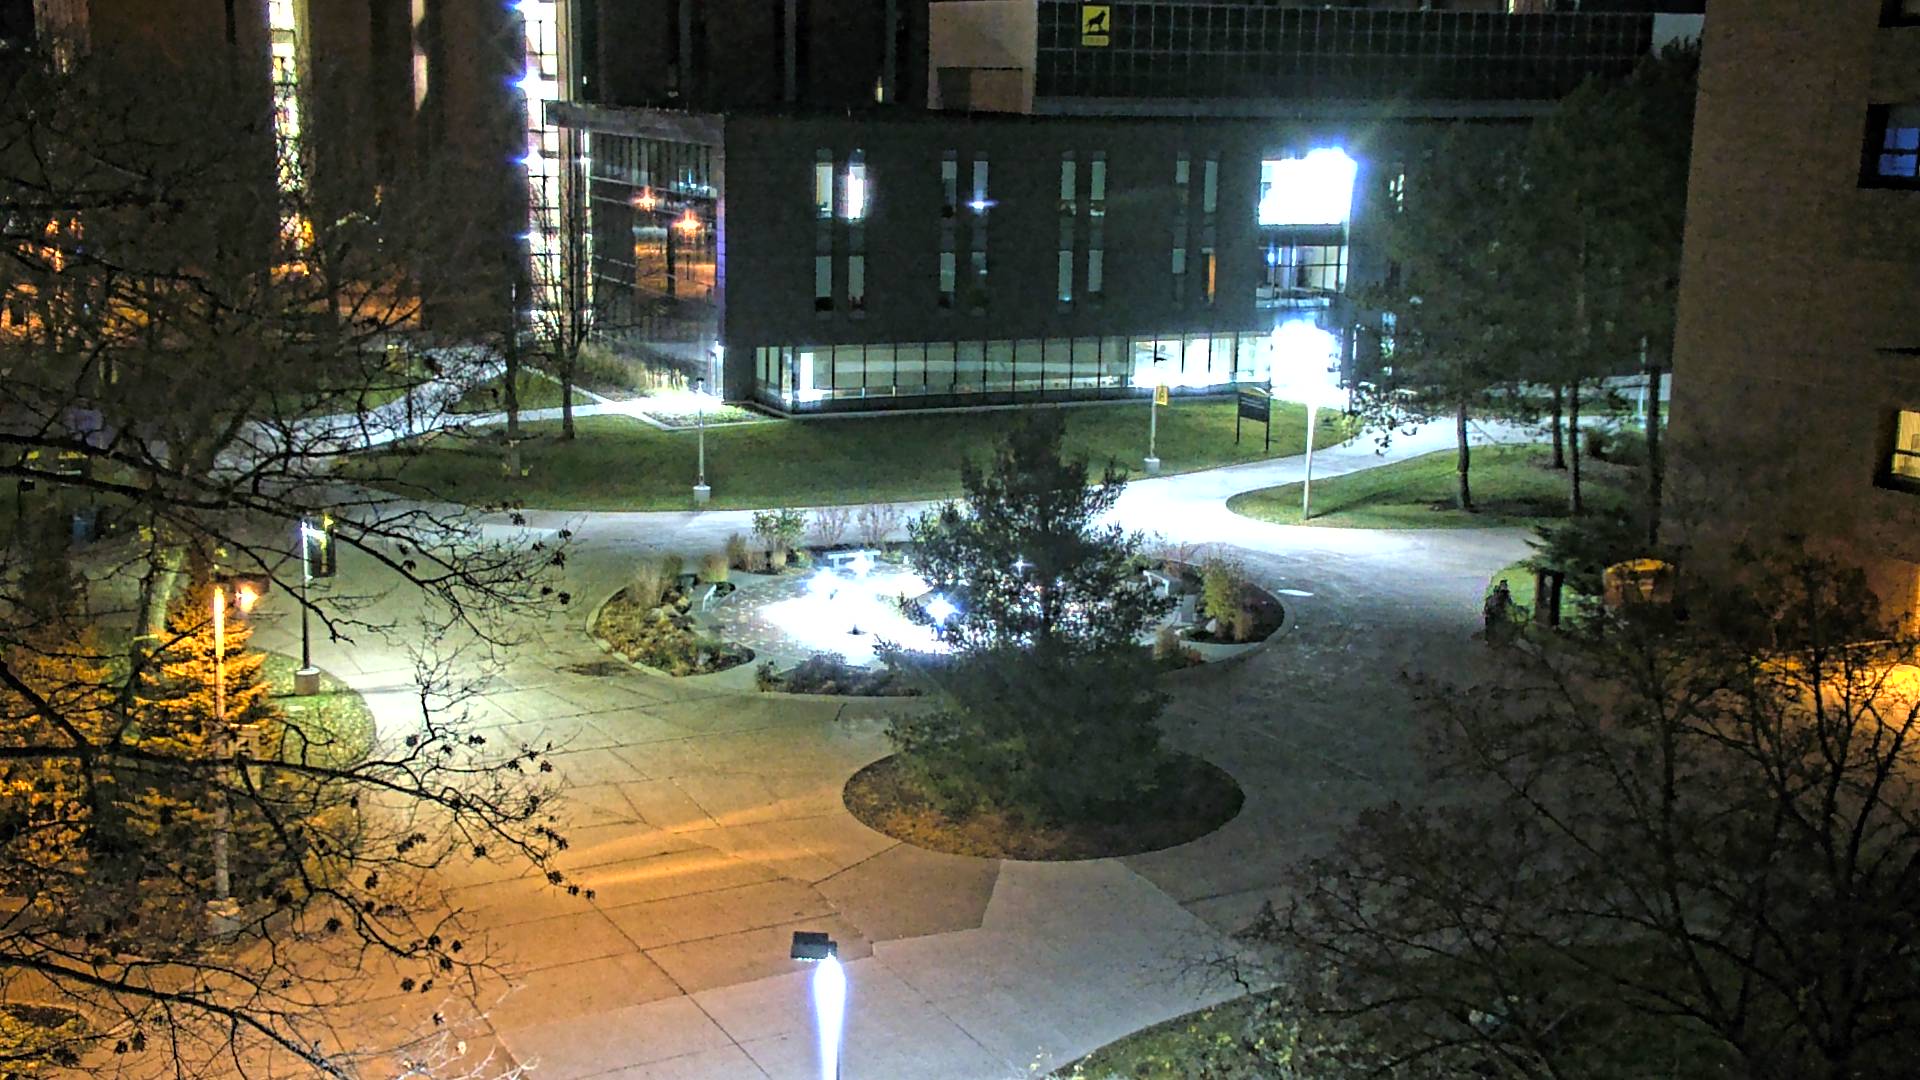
[1450,327]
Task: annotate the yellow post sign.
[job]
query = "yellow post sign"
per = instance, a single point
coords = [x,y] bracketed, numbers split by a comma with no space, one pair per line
[1096,25]
[1160,395]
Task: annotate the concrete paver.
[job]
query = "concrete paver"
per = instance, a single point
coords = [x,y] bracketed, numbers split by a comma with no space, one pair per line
[709,824]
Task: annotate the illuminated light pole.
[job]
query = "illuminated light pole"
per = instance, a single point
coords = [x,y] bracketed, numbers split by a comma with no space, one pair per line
[223,912]
[1306,351]
[306,681]
[1153,415]
[829,995]
[701,491]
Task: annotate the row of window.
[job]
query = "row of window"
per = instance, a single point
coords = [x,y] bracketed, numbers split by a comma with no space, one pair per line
[1892,157]
[799,375]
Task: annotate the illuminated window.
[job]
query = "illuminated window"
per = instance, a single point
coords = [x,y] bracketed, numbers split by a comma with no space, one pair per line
[823,283]
[1181,171]
[1067,180]
[1893,146]
[1210,185]
[823,184]
[1096,273]
[1207,271]
[1313,190]
[1097,184]
[1296,270]
[1064,278]
[980,204]
[977,284]
[856,195]
[1905,463]
[1179,274]
[420,68]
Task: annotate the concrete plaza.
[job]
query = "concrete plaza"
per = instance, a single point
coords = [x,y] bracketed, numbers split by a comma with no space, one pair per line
[709,823]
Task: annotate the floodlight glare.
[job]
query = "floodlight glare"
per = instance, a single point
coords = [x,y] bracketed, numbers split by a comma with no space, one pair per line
[940,610]
[822,583]
[1313,190]
[861,564]
[830,1012]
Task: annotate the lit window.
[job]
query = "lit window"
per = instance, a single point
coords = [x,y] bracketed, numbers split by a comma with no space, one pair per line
[1207,271]
[1210,186]
[856,198]
[823,283]
[1096,272]
[1905,464]
[1067,180]
[1893,146]
[977,290]
[1097,185]
[1179,273]
[980,202]
[949,184]
[823,184]
[1313,190]
[1180,173]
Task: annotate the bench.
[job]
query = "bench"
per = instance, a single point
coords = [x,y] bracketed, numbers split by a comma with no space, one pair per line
[840,560]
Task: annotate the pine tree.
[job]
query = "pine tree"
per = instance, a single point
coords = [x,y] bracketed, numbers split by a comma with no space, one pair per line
[177,698]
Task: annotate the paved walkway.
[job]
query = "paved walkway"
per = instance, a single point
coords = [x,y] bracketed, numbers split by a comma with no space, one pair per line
[710,824]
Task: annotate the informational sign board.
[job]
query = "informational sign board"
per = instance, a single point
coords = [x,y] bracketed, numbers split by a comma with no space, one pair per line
[1257,405]
[1160,395]
[1096,25]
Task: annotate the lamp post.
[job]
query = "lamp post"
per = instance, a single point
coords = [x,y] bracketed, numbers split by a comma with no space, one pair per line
[1306,484]
[223,912]
[829,995]
[1153,415]
[306,681]
[701,491]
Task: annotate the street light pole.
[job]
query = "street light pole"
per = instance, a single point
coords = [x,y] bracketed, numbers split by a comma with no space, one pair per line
[223,914]
[701,492]
[1153,417]
[306,681]
[1306,485]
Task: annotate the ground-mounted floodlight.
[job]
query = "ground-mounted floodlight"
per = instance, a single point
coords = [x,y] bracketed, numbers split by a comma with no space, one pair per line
[829,995]
[941,610]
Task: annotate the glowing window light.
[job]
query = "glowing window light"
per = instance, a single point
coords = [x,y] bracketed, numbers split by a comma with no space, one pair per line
[537,86]
[856,192]
[1313,190]
[689,223]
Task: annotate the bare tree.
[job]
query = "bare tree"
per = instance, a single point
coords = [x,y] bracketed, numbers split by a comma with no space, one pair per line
[1668,847]
[180,360]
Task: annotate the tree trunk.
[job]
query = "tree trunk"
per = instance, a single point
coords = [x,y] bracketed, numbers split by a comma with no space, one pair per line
[1653,454]
[1575,505]
[1463,495]
[566,398]
[1559,441]
[510,397]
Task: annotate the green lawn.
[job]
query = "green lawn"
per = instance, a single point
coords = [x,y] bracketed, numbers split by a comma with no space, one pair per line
[1512,486]
[621,464]
[537,391]
[1205,1042]
[335,722]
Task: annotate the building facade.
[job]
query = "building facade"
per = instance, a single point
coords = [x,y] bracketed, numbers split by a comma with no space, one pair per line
[1057,224]
[1797,369]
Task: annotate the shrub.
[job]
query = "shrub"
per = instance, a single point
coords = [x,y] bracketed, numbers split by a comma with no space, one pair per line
[776,560]
[716,566]
[1583,548]
[1227,595]
[671,567]
[1594,439]
[648,585]
[876,523]
[1628,446]
[779,529]
[830,524]
[739,556]
[1166,643]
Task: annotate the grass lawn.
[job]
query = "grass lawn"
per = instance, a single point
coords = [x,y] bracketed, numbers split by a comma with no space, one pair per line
[537,391]
[1512,486]
[1176,1049]
[621,464]
[336,722]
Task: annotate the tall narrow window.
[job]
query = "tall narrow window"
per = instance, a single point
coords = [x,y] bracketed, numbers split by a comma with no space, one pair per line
[1207,272]
[1097,184]
[1210,184]
[947,274]
[1064,278]
[856,283]
[823,184]
[1096,272]
[855,199]
[980,203]
[1181,173]
[823,283]
[1067,179]
[977,286]
[1179,273]
[1904,466]
[949,184]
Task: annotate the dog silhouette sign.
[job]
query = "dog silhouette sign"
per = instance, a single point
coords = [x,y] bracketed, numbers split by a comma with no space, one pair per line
[1096,24]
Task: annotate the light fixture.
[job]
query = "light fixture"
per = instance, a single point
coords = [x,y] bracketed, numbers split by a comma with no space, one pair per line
[689,222]
[646,200]
[941,610]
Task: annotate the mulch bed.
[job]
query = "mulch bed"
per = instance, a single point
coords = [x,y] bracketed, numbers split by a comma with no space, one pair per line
[1196,798]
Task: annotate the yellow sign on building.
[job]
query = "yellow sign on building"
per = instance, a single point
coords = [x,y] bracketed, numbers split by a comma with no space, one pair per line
[1096,25]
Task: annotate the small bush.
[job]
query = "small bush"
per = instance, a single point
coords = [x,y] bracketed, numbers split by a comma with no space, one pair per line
[739,556]
[830,525]
[1595,439]
[776,560]
[1225,592]
[716,566]
[779,529]
[671,567]
[648,585]
[876,523]
[1166,643]
[1628,447]
[829,673]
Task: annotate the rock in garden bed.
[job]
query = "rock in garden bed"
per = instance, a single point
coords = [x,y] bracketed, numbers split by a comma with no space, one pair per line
[829,673]
[662,635]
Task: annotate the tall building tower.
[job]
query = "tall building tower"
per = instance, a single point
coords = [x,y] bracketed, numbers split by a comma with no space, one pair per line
[1797,370]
